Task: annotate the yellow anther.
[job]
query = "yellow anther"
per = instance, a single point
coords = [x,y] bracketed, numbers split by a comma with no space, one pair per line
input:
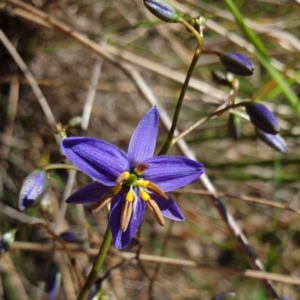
[157,190]
[116,189]
[156,212]
[143,183]
[123,177]
[145,196]
[129,196]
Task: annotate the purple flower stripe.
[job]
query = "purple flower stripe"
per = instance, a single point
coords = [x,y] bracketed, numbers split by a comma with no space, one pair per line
[143,140]
[97,159]
[172,172]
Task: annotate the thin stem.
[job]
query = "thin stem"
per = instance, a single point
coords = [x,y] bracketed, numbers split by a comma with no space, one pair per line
[97,265]
[204,119]
[59,166]
[168,142]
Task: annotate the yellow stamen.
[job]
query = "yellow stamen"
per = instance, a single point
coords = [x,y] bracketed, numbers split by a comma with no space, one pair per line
[123,177]
[129,196]
[143,183]
[157,190]
[145,196]
[125,215]
[156,212]
[140,168]
[106,198]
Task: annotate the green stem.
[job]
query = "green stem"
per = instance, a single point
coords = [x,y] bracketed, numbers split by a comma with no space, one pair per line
[59,166]
[97,265]
[204,119]
[168,142]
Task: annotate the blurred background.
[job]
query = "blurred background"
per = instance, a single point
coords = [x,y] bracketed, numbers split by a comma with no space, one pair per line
[136,48]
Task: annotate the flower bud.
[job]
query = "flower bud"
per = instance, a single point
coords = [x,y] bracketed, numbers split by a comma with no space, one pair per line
[54,281]
[234,126]
[273,140]
[262,118]
[7,239]
[224,296]
[34,186]
[163,10]
[237,63]
[69,236]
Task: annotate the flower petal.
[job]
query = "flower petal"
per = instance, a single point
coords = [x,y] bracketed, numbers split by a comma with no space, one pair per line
[168,208]
[89,193]
[172,172]
[122,239]
[143,140]
[101,161]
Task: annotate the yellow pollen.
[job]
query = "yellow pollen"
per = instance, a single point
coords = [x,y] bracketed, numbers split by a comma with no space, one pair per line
[129,196]
[145,196]
[143,183]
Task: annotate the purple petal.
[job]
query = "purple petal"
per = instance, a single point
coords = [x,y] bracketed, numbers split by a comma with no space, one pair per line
[100,160]
[172,172]
[143,140]
[122,239]
[168,208]
[275,141]
[237,63]
[89,193]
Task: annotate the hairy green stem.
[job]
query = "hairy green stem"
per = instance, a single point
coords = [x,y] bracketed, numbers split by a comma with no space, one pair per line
[168,142]
[97,265]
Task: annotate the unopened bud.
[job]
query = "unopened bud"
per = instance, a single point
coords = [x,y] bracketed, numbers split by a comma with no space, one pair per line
[163,10]
[262,118]
[33,189]
[7,239]
[54,281]
[69,236]
[237,63]
[224,296]
[273,140]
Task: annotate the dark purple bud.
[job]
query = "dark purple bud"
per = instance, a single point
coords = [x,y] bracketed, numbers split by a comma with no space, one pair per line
[33,189]
[69,236]
[219,77]
[237,63]
[273,140]
[163,10]
[262,118]
[54,281]
[224,296]
[234,126]
[7,239]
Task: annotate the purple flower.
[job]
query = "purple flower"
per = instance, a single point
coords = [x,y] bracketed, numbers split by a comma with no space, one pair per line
[131,181]
[54,281]
[262,118]
[237,63]
[33,189]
